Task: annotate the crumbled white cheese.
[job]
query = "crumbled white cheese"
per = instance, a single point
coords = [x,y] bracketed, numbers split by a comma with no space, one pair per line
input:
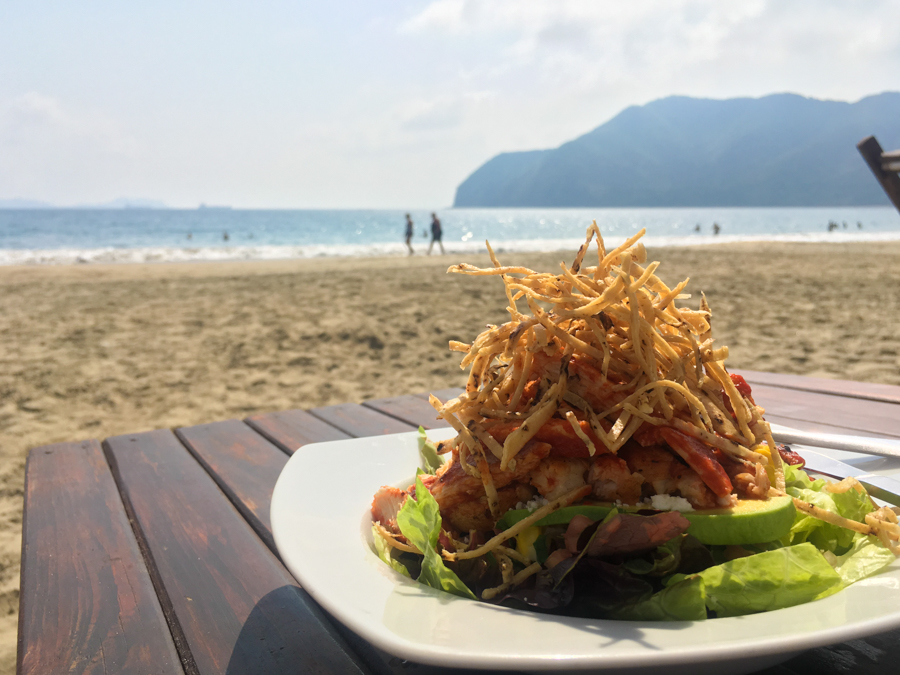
[533,504]
[670,503]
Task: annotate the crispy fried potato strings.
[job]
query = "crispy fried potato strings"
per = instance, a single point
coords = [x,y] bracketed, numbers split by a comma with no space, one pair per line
[653,362]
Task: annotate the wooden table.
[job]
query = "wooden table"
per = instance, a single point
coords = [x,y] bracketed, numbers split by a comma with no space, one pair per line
[152,552]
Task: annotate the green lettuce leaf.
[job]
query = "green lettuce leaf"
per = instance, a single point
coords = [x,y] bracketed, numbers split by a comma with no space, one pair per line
[853,504]
[850,504]
[420,522]
[866,557]
[772,580]
[431,460]
[824,536]
[658,563]
[684,600]
[384,552]
[795,477]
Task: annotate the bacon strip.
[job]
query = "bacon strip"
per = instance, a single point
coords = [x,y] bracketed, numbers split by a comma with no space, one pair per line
[626,533]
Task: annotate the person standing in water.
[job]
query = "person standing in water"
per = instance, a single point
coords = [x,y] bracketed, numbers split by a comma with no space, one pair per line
[409,233]
[436,234]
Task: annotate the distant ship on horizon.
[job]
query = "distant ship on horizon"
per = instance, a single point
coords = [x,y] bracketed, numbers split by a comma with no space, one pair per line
[213,207]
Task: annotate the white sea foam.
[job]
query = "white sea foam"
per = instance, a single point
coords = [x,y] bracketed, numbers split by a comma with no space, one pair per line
[73,256]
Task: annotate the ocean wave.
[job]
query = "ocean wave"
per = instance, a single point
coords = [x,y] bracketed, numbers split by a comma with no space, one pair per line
[164,254]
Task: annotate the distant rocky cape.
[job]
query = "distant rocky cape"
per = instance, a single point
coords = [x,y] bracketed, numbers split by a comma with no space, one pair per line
[779,150]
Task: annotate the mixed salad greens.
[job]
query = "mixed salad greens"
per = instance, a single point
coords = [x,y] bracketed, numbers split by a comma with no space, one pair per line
[677,578]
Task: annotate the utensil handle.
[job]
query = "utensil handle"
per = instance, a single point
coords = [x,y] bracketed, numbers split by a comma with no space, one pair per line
[884,447]
[884,488]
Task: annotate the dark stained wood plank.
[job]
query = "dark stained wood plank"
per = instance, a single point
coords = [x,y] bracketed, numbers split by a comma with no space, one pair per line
[292,429]
[359,421]
[87,603]
[865,390]
[775,670]
[443,394]
[243,464]
[872,655]
[819,426]
[853,414]
[231,602]
[411,409]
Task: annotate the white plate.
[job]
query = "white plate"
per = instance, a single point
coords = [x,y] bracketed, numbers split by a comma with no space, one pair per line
[322,527]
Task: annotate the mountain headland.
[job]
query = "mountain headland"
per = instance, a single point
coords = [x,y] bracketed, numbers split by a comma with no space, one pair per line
[778,150]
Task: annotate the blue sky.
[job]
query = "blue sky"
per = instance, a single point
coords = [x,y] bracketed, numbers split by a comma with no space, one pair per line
[367,104]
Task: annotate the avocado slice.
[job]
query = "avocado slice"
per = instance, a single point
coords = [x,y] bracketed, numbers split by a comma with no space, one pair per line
[750,521]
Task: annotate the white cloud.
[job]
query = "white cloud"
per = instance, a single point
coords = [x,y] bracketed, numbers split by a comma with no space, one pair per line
[586,43]
[47,147]
[440,113]
[35,117]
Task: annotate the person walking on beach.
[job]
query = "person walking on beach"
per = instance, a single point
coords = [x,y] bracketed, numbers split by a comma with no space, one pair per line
[436,234]
[409,233]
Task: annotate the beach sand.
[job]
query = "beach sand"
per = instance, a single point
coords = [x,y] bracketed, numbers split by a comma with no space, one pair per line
[92,351]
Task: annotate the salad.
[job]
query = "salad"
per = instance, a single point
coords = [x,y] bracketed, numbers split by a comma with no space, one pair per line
[607,465]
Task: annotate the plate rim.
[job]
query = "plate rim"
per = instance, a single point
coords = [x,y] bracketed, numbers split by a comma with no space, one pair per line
[439,655]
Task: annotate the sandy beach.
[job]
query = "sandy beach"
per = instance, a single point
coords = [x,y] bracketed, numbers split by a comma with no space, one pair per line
[91,351]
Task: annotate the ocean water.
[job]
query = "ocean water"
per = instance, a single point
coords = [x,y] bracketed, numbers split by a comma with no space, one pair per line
[63,236]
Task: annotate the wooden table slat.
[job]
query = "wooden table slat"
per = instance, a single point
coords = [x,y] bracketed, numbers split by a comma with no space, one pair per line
[846,388]
[818,426]
[292,429]
[243,464]
[410,409]
[237,458]
[443,394]
[229,598]
[855,415]
[359,421]
[872,655]
[87,601]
